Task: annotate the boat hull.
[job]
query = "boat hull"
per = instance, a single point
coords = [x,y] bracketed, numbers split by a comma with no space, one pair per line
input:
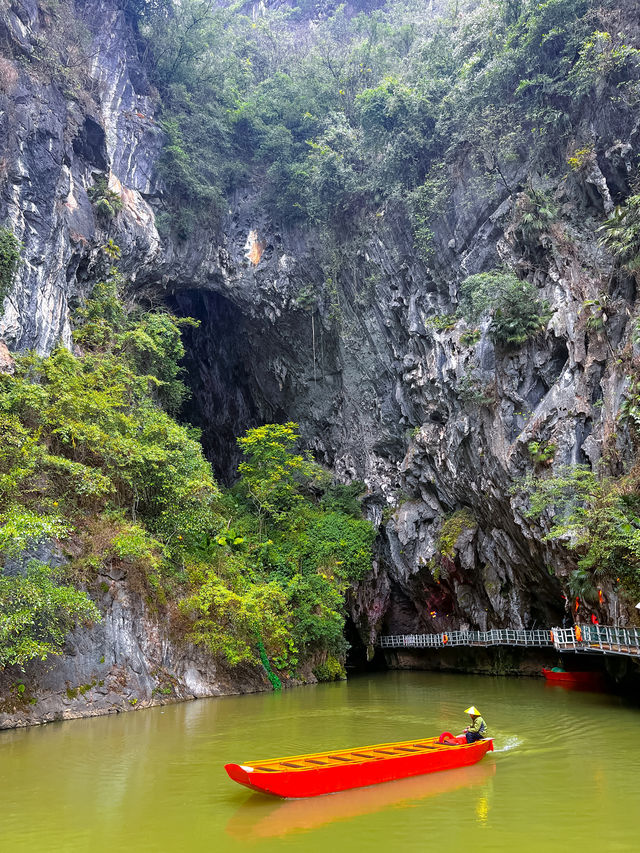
[574,679]
[329,779]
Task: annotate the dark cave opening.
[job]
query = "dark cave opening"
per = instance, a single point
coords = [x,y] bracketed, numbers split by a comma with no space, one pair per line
[357,652]
[218,373]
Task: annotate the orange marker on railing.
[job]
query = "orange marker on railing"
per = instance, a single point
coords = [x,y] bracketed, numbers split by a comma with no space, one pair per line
[578,631]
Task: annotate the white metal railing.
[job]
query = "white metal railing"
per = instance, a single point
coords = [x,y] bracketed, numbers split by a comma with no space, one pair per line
[598,638]
[495,637]
[580,638]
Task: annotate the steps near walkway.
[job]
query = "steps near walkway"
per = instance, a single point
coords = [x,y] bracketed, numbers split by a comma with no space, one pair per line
[581,638]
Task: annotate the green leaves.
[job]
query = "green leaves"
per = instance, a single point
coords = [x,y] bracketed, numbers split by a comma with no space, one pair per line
[272,472]
[279,567]
[9,259]
[621,235]
[36,614]
[21,529]
[595,516]
[516,311]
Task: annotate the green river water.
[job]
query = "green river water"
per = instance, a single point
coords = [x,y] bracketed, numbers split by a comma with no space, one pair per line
[564,774]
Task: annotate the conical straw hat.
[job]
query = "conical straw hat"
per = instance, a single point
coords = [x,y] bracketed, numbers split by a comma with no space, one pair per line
[473,710]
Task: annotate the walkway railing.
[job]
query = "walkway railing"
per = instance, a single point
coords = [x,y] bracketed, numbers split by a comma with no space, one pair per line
[496,637]
[598,638]
[580,638]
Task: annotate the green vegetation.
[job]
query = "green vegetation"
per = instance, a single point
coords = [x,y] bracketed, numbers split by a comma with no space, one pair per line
[470,338]
[278,572]
[107,202]
[621,234]
[471,390]
[516,311]
[91,458]
[377,107]
[36,613]
[595,311]
[9,260]
[541,452]
[442,322]
[330,670]
[596,516]
[452,529]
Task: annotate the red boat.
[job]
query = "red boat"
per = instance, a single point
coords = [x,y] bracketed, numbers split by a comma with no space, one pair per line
[327,772]
[268,817]
[574,679]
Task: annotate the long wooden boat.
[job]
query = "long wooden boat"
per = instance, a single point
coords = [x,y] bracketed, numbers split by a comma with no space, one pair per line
[267,817]
[591,680]
[327,772]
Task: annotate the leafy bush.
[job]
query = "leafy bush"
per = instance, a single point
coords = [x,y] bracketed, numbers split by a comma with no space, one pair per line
[277,572]
[36,614]
[621,234]
[9,260]
[516,311]
[107,202]
[330,670]
[541,452]
[598,517]
[23,529]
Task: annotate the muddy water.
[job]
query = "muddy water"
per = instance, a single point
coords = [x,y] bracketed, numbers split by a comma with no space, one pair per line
[564,774]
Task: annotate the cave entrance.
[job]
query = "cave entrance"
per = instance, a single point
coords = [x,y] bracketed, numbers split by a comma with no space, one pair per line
[218,362]
[357,653]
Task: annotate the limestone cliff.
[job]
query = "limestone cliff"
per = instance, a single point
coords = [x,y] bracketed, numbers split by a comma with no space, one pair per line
[385,388]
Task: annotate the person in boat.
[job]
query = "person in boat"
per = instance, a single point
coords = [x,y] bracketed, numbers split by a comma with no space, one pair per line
[478,728]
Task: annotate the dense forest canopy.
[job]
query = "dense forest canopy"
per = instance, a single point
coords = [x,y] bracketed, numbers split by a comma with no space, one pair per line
[336,117]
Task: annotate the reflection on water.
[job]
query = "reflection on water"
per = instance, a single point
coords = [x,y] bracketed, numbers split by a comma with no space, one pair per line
[263,817]
[564,774]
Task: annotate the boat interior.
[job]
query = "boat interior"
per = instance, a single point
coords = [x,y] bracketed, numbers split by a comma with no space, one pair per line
[378,752]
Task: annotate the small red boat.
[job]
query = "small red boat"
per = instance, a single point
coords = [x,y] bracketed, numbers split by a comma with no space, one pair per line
[327,772]
[261,817]
[575,679]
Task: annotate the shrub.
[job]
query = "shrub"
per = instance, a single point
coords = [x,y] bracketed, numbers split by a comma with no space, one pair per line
[595,516]
[36,614]
[452,529]
[330,670]
[107,202]
[277,571]
[9,260]
[516,311]
[541,453]
[621,234]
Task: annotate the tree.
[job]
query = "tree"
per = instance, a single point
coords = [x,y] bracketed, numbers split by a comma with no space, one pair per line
[272,472]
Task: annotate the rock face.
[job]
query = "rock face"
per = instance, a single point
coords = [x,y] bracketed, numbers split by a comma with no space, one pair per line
[125,662]
[357,343]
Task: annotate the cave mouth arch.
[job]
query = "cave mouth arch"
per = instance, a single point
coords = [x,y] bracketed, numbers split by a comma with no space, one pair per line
[219,364]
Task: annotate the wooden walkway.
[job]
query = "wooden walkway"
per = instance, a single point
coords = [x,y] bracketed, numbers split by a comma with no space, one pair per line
[581,638]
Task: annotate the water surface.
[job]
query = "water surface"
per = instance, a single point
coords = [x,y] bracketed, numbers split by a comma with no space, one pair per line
[564,774]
